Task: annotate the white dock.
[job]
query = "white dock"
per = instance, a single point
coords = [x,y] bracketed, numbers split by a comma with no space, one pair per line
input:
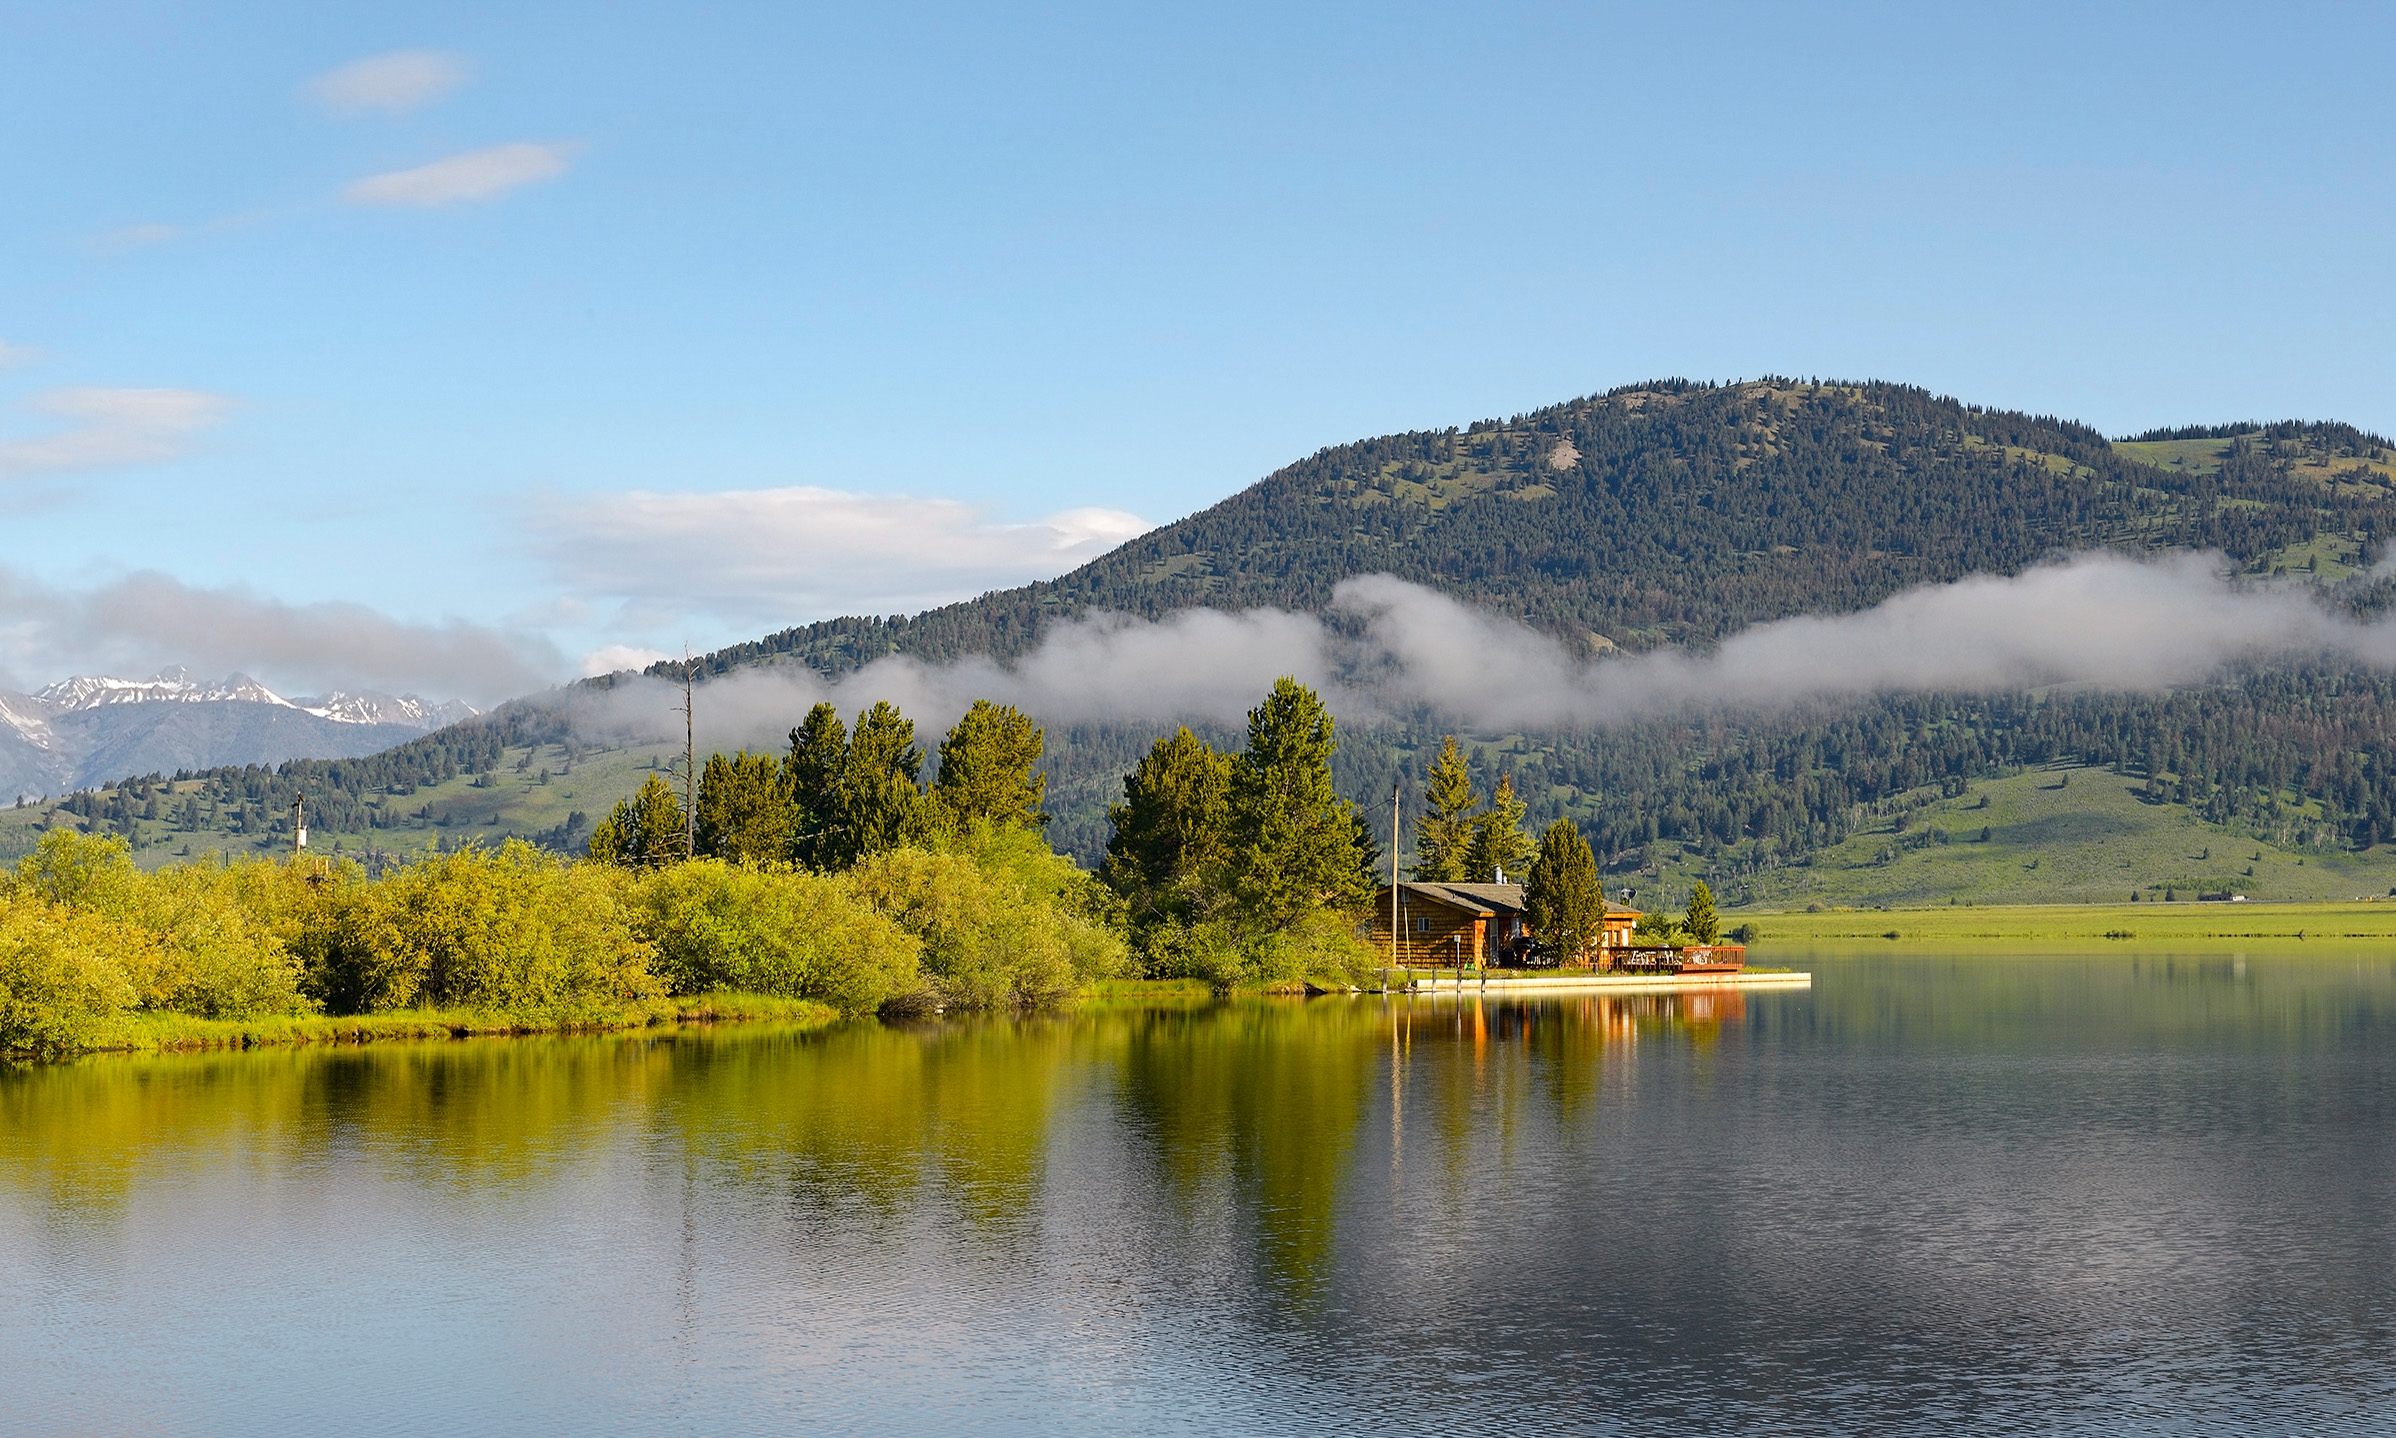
[1533,986]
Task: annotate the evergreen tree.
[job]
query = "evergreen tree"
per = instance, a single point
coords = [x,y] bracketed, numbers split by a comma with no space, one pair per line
[1294,849]
[988,768]
[1499,844]
[1171,832]
[880,806]
[744,809]
[1443,836]
[1562,898]
[1702,925]
[818,748]
[644,831]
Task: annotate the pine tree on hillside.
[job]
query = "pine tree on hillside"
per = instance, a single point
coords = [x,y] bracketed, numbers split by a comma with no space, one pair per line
[1443,836]
[745,811]
[880,806]
[1171,831]
[988,767]
[818,748]
[1565,904]
[644,831]
[1499,844]
[1294,849]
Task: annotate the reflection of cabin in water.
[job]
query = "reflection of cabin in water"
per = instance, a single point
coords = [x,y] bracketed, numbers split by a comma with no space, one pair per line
[1441,925]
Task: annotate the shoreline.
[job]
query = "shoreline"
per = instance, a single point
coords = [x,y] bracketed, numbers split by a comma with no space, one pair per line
[1603,983]
[172,1033]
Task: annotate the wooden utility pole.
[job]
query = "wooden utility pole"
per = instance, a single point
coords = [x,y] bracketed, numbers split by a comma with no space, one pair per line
[1393,875]
[690,771]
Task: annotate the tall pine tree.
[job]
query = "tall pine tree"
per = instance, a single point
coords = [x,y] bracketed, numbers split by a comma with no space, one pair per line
[989,768]
[1443,837]
[1172,830]
[1499,845]
[745,811]
[880,806]
[1562,897]
[818,749]
[644,831]
[1294,847]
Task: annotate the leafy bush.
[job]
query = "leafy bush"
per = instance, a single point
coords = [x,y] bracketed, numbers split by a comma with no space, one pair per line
[206,952]
[1003,920]
[63,983]
[766,931]
[1321,948]
[513,930]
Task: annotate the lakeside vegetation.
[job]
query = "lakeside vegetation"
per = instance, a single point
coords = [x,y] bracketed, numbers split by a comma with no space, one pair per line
[835,879]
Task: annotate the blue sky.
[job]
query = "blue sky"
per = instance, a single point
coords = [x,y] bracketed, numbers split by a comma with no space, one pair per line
[446,347]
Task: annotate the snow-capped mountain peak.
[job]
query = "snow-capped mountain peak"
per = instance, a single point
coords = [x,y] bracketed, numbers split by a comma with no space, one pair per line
[410,709]
[90,691]
[94,691]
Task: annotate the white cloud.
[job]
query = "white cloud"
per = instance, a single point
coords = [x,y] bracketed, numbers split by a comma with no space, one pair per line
[477,175]
[146,621]
[780,555]
[111,427]
[616,658]
[2102,620]
[399,81]
[15,354]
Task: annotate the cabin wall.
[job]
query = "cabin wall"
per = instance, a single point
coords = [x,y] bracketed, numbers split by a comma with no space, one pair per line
[1429,946]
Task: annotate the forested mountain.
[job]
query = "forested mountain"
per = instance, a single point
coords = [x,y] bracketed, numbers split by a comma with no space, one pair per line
[1677,513]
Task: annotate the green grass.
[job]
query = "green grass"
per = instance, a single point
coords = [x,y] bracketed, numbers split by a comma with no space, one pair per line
[167,1032]
[2061,836]
[2143,924]
[513,802]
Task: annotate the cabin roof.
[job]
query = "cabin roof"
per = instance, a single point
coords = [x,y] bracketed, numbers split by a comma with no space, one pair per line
[1485,901]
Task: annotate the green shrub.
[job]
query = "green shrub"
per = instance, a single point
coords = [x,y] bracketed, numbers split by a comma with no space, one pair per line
[219,957]
[768,931]
[513,930]
[209,954]
[1005,923]
[63,981]
[1320,948]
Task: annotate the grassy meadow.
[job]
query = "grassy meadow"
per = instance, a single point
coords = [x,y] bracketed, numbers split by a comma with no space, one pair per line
[2075,836]
[2082,926]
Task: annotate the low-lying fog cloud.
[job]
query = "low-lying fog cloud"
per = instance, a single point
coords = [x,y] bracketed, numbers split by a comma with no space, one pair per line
[1397,648]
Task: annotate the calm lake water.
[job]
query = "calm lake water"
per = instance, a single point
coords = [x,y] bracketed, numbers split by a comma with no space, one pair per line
[2098,1194]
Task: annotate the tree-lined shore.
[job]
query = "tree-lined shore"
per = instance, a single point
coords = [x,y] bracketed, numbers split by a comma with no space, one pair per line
[833,879]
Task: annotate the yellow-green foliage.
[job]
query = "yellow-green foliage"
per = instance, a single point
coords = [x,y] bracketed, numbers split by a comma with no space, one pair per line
[63,982]
[512,929]
[773,931]
[1002,919]
[218,957]
[190,940]
[1319,948]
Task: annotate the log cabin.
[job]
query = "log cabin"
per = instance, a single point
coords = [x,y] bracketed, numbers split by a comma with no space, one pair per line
[1443,925]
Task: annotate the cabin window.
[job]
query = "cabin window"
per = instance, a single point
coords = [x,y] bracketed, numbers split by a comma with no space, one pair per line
[1422,926]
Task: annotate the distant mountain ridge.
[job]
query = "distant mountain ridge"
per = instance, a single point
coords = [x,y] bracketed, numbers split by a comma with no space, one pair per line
[93,728]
